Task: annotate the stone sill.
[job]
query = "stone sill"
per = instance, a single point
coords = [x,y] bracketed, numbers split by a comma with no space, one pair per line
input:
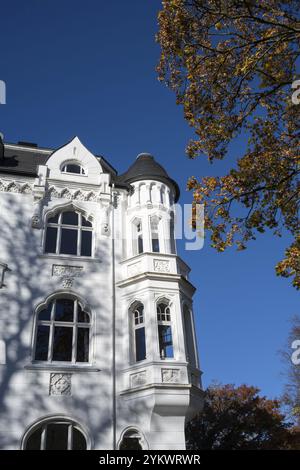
[66,258]
[163,363]
[61,368]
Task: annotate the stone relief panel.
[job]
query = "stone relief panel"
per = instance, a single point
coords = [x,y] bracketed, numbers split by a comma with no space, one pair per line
[138,379]
[35,221]
[170,375]
[60,384]
[67,274]
[67,283]
[161,266]
[65,270]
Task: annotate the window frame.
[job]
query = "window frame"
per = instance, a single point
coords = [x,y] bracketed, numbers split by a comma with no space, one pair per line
[155,233]
[131,434]
[59,419]
[59,225]
[134,327]
[164,322]
[74,325]
[191,352]
[136,432]
[83,170]
[137,237]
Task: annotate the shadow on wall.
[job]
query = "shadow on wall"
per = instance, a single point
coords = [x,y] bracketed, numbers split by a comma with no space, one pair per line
[24,395]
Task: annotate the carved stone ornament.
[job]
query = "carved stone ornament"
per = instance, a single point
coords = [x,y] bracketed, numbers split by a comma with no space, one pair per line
[66,193]
[60,384]
[67,282]
[170,375]
[105,229]
[161,266]
[138,379]
[79,196]
[65,270]
[15,187]
[67,274]
[38,199]
[35,221]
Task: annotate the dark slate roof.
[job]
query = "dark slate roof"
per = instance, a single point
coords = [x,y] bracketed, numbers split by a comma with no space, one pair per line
[146,167]
[24,158]
[22,161]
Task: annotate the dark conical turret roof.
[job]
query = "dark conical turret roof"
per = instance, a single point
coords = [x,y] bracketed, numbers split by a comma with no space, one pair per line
[146,167]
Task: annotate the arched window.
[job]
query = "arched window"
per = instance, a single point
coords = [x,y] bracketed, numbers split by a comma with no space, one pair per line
[131,441]
[73,168]
[154,223]
[138,244]
[56,434]
[63,331]
[69,233]
[164,330]
[138,332]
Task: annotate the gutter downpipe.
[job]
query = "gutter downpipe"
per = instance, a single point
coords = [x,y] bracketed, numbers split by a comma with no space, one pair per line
[114,403]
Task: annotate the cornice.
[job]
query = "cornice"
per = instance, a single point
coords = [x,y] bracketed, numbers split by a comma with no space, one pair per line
[165,277]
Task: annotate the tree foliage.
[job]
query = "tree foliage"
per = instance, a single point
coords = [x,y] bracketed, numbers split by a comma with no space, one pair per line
[231,64]
[291,397]
[239,419]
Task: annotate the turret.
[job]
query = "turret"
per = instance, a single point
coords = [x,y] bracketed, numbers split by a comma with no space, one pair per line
[150,207]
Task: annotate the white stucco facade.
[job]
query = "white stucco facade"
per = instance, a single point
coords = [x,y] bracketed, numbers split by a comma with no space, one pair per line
[111,393]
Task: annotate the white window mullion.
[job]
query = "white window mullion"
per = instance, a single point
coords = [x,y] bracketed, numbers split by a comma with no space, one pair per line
[90,343]
[51,335]
[79,229]
[59,228]
[79,241]
[70,437]
[58,239]
[43,437]
[134,343]
[35,336]
[51,339]
[75,330]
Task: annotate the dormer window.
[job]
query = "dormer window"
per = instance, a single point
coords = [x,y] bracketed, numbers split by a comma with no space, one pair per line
[73,168]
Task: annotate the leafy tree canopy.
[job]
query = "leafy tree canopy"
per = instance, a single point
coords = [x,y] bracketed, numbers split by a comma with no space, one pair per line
[232,64]
[239,419]
[291,397]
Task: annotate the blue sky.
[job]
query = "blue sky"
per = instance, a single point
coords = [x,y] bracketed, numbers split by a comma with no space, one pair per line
[88,69]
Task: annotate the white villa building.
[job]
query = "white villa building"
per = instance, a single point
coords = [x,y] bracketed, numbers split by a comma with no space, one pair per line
[97,338]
